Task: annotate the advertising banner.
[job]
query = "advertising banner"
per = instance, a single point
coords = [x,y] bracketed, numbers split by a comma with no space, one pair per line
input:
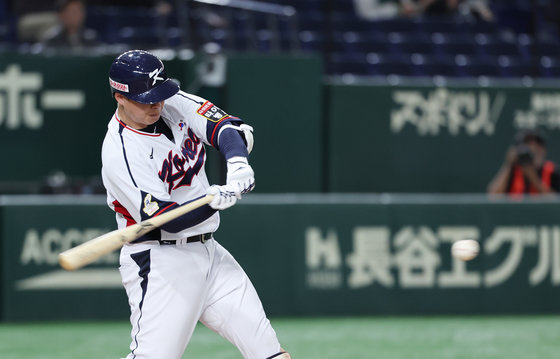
[34,286]
[367,254]
[428,139]
[311,255]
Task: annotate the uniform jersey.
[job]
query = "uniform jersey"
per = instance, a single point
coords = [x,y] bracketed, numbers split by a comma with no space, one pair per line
[146,174]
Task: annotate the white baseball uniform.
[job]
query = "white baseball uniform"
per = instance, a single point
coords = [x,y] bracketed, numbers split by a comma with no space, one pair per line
[178,275]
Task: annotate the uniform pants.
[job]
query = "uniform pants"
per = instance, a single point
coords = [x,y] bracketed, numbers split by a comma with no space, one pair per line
[172,287]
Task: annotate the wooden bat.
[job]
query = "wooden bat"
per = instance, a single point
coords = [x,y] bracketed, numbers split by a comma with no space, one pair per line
[96,248]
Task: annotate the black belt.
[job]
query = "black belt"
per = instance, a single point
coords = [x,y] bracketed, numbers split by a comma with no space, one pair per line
[198,238]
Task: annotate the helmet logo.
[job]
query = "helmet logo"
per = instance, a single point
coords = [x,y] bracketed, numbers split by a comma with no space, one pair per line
[118,86]
[154,74]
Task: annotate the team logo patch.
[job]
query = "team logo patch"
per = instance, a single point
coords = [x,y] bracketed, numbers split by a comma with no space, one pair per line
[211,112]
[118,86]
[150,207]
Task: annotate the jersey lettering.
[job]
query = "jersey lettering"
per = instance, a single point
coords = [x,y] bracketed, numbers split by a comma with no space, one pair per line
[173,168]
[190,145]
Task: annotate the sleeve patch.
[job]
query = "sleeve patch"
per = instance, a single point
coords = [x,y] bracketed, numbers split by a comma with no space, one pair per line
[150,207]
[211,112]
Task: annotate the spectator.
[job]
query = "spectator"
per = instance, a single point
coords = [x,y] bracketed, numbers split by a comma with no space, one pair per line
[70,31]
[438,7]
[383,9]
[526,169]
[477,8]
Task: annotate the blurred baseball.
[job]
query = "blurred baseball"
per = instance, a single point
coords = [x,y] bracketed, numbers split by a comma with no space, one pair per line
[465,249]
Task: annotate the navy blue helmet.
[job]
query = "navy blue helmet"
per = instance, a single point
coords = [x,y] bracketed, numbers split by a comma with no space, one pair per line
[140,76]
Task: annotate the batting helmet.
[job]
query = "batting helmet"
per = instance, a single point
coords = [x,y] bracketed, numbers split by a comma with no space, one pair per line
[140,76]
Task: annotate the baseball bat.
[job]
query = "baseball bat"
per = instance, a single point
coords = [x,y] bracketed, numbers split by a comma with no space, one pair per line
[96,248]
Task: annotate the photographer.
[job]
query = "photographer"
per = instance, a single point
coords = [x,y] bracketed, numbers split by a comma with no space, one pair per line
[70,32]
[526,169]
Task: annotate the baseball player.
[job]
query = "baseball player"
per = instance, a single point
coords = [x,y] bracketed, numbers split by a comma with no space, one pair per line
[153,161]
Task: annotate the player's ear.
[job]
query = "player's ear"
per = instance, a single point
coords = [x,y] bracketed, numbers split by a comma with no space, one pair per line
[120,98]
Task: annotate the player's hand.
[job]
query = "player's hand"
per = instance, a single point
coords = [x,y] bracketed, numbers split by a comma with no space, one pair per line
[240,175]
[224,197]
[511,156]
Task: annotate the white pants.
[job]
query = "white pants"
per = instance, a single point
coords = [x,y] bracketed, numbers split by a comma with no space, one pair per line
[171,287]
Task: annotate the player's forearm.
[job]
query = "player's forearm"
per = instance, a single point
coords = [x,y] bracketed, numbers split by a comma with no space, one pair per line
[189,219]
[231,144]
[499,183]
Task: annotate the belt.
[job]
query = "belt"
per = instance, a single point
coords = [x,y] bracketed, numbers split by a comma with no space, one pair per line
[198,238]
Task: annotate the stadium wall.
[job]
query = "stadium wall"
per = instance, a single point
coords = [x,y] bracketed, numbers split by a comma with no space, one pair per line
[308,255]
[311,135]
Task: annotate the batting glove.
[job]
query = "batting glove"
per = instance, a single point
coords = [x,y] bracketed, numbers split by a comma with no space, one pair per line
[240,175]
[224,197]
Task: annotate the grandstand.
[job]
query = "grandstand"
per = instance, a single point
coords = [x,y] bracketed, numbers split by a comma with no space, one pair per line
[520,41]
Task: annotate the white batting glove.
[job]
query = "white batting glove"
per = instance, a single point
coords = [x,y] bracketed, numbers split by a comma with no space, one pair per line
[240,175]
[224,197]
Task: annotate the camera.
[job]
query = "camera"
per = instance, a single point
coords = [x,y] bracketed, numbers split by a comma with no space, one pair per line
[521,141]
[524,154]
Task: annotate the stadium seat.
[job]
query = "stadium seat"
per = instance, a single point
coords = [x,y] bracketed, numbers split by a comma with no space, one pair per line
[342,63]
[308,5]
[267,41]
[426,65]
[140,37]
[393,25]
[526,43]
[450,44]
[433,24]
[175,37]
[311,21]
[344,22]
[547,49]
[138,17]
[103,20]
[549,67]
[495,46]
[342,7]
[476,27]
[357,42]
[311,41]
[242,20]
[474,66]
[500,48]
[516,67]
[518,20]
[383,65]
[410,43]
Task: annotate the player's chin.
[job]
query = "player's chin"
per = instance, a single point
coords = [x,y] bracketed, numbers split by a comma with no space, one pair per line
[152,117]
